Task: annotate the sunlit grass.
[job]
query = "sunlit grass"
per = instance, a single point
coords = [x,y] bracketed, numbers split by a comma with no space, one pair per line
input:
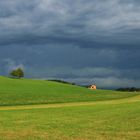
[101,121]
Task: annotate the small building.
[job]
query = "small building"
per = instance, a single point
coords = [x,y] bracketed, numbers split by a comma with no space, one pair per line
[93,87]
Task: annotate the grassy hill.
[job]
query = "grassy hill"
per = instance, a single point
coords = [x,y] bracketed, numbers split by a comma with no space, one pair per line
[45,110]
[25,91]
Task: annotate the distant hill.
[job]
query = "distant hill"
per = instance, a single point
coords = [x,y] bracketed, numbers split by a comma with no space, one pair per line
[61,81]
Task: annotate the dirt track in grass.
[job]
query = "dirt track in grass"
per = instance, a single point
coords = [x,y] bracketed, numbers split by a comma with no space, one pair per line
[59,105]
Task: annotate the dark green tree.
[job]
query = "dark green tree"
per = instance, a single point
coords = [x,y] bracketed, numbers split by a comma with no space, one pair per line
[18,73]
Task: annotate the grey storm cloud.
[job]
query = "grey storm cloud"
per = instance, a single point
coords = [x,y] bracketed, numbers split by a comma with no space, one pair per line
[83,40]
[95,21]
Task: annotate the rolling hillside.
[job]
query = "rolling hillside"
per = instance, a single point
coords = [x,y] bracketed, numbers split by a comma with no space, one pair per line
[45,110]
[27,91]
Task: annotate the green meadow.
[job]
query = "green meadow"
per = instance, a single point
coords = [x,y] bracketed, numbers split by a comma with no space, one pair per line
[25,91]
[45,110]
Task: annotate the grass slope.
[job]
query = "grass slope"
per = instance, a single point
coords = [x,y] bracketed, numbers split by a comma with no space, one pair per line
[72,115]
[25,91]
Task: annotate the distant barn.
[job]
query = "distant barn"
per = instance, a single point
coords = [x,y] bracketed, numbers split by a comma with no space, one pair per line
[93,87]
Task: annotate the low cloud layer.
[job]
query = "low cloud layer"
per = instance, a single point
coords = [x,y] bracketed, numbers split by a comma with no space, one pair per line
[86,41]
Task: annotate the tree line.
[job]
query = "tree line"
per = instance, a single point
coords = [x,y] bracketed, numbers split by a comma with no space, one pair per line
[132,89]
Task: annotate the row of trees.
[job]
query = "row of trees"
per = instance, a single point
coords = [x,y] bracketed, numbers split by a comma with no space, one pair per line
[132,89]
[17,73]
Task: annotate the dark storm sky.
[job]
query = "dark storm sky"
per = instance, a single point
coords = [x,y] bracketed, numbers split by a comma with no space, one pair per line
[83,41]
